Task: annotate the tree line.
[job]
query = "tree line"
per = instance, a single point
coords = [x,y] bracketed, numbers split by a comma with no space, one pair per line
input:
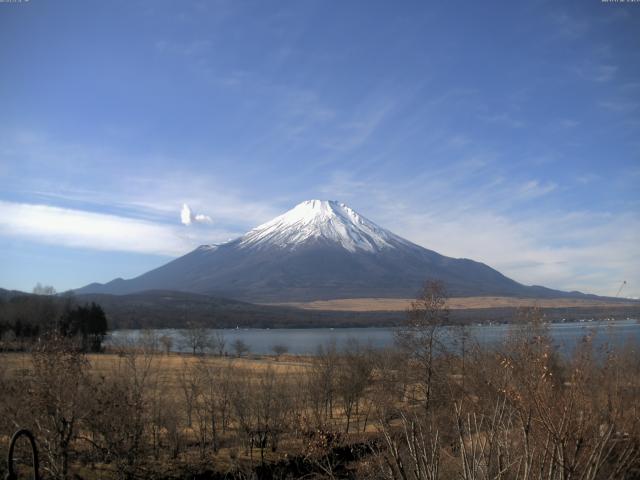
[28,318]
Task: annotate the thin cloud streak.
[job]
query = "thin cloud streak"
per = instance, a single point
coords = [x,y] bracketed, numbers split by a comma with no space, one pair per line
[141,194]
[535,188]
[96,231]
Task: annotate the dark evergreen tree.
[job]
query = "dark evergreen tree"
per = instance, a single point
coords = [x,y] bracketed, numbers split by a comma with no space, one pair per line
[88,322]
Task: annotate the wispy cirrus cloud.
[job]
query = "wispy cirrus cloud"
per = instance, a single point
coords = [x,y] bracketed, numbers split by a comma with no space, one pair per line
[565,251]
[535,188]
[605,73]
[568,123]
[85,177]
[82,229]
[599,73]
[188,49]
[503,118]
[569,26]
[619,106]
[569,250]
[354,132]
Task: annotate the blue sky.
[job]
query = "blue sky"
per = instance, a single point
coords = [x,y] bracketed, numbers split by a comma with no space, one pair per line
[506,132]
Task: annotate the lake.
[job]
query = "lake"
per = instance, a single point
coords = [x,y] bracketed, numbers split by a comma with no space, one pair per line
[306,341]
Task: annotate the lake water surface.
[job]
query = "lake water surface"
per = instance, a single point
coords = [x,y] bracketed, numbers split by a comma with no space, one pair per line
[306,341]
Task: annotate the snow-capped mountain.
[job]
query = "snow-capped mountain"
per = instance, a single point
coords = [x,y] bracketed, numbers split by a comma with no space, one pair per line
[319,250]
[322,221]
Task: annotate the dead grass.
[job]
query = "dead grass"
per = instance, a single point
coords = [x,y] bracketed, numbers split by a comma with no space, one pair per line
[170,367]
[167,371]
[379,398]
[460,303]
[173,363]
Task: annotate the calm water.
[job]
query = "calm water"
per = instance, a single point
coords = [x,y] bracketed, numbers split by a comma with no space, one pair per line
[306,341]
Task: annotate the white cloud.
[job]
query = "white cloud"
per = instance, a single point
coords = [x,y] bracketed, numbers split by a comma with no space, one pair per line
[98,231]
[185,214]
[187,217]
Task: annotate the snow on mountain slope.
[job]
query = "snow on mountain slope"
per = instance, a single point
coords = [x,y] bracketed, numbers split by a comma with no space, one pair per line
[325,221]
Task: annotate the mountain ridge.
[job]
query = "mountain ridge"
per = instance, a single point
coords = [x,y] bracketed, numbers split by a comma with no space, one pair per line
[320,250]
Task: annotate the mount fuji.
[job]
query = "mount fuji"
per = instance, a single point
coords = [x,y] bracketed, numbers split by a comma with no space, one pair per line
[320,250]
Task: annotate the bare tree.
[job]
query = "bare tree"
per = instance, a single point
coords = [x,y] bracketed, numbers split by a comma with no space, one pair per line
[196,338]
[321,383]
[353,377]
[59,392]
[421,335]
[391,382]
[207,395]
[40,289]
[189,382]
[262,410]
[271,410]
[279,349]
[240,347]
[241,395]
[120,416]
[171,423]
[411,452]
[219,342]
[167,342]
[149,341]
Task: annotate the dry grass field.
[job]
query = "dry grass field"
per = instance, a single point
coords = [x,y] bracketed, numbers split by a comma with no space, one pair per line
[461,303]
[359,413]
[176,383]
[172,364]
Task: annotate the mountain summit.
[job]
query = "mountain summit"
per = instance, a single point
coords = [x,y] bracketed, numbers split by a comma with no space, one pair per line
[319,250]
[321,221]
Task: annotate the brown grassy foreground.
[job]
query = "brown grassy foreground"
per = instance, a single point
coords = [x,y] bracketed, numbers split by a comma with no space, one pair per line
[419,412]
[461,303]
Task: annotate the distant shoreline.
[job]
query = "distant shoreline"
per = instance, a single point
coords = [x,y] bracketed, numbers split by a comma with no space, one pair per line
[305,341]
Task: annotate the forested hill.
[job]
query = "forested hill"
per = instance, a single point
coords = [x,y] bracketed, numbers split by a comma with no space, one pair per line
[167,309]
